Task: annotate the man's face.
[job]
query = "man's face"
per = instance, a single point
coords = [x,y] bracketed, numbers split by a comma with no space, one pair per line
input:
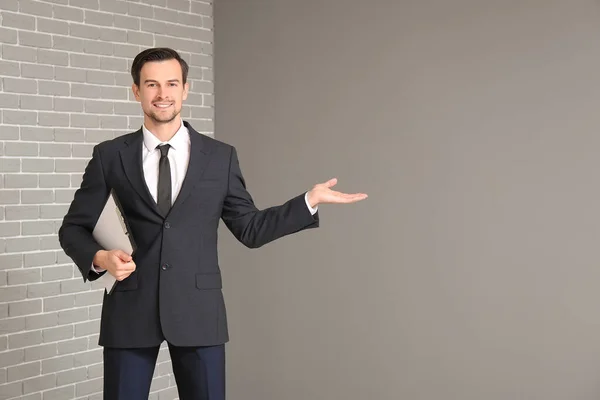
[161,91]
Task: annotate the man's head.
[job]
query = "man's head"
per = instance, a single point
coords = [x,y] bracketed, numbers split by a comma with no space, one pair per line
[160,83]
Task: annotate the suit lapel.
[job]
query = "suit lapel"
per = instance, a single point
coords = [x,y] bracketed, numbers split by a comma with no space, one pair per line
[131,158]
[199,157]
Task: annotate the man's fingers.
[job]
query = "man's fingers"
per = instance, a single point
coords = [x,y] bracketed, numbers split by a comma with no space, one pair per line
[122,255]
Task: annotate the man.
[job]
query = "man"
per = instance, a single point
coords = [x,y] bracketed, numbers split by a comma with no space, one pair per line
[174,186]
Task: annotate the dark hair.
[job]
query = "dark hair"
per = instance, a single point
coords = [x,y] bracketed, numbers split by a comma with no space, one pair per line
[156,54]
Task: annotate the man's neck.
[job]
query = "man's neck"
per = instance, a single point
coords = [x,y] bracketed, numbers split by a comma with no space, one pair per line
[163,131]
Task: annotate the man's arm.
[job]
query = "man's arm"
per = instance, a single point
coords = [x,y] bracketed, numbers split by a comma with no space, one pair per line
[75,234]
[254,227]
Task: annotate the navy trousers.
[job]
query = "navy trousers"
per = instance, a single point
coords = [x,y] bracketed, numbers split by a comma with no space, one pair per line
[199,372]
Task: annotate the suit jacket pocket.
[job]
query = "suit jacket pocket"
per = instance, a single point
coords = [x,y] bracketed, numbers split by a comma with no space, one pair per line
[209,281]
[129,283]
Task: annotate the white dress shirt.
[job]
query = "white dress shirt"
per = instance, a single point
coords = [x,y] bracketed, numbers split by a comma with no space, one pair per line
[179,159]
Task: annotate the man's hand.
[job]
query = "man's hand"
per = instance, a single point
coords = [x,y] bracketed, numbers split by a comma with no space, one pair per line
[321,193]
[118,263]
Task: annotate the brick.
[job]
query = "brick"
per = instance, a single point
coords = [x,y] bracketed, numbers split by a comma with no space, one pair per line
[98,107]
[88,298]
[34,39]
[141,38]
[37,228]
[71,165]
[128,109]
[57,364]
[69,75]
[85,121]
[69,105]
[201,8]
[50,243]
[9,261]
[98,18]
[18,53]
[20,117]
[89,387]
[39,259]
[109,122]
[22,212]
[36,134]
[32,396]
[38,384]
[44,290]
[72,376]
[13,293]
[52,26]
[53,211]
[86,91]
[12,358]
[37,71]
[72,316]
[95,311]
[68,13]
[24,276]
[23,371]
[35,102]
[9,229]
[10,68]
[95,371]
[97,47]
[100,77]
[93,4]
[59,303]
[69,134]
[19,21]
[70,346]
[41,321]
[9,196]
[41,352]
[83,150]
[87,328]
[85,31]
[57,273]
[9,133]
[114,6]
[128,51]
[35,8]
[8,35]
[15,245]
[60,393]
[36,196]
[53,119]
[20,181]
[10,164]
[27,307]
[88,357]
[97,136]
[140,10]
[54,88]
[54,150]
[26,339]
[57,333]
[11,390]
[85,61]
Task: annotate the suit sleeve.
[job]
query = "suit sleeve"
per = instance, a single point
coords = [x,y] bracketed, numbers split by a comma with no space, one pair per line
[75,233]
[253,227]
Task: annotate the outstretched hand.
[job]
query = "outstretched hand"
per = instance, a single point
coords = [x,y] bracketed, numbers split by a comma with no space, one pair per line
[321,193]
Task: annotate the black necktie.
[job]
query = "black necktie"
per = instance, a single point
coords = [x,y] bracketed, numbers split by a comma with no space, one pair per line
[164,181]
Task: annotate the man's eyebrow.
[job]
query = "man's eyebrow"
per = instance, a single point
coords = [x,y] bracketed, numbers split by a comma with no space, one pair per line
[152,80]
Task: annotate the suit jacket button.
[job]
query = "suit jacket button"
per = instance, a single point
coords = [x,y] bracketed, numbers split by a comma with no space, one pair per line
[165,267]
[167,225]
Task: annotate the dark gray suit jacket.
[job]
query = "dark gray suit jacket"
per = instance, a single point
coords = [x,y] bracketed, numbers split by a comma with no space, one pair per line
[175,292]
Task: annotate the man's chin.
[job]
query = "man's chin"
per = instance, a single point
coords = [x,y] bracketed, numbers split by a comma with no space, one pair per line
[161,119]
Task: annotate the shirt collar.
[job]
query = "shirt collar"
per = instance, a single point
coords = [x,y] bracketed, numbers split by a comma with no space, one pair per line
[180,139]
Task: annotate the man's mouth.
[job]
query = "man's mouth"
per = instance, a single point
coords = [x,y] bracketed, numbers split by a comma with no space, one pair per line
[162,105]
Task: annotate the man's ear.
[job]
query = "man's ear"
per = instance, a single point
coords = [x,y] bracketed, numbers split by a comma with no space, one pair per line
[136,91]
[186,89]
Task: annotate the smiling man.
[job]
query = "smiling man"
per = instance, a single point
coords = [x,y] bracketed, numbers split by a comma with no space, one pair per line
[174,185]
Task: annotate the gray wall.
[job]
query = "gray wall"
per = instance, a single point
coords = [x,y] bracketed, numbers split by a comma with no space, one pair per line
[65,86]
[472,270]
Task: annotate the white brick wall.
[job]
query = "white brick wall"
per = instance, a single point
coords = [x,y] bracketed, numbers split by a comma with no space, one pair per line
[65,86]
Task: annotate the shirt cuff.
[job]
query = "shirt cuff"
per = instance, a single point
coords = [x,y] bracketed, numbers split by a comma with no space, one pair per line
[313,211]
[97,270]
